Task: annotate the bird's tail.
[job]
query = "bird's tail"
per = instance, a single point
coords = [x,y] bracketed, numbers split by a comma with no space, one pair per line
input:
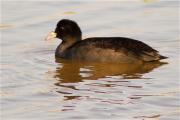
[162,57]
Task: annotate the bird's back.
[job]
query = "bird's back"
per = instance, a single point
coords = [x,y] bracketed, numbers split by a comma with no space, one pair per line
[112,49]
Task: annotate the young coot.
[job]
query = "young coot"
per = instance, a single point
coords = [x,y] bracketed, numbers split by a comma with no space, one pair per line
[104,49]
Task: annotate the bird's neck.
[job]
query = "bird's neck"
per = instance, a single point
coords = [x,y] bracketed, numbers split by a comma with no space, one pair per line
[68,43]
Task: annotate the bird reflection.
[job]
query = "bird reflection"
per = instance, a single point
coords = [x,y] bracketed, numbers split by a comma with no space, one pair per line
[71,71]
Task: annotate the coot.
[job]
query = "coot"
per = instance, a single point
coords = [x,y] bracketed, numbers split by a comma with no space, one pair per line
[100,49]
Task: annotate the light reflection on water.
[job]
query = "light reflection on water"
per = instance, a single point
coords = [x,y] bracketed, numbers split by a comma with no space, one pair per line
[36,86]
[76,71]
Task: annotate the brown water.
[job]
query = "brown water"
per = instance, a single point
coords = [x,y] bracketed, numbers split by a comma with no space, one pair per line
[36,87]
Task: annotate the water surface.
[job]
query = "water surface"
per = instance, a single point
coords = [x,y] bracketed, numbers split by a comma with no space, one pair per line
[36,86]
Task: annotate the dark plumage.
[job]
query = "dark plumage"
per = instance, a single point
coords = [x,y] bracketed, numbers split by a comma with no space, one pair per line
[104,49]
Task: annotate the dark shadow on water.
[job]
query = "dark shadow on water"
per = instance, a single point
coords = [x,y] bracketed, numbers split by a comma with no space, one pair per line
[71,71]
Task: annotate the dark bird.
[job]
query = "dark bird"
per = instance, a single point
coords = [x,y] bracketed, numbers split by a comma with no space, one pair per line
[100,49]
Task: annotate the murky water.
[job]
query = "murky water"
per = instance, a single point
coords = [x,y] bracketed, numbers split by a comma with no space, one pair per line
[37,87]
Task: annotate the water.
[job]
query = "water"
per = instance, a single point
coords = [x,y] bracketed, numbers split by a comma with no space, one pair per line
[36,87]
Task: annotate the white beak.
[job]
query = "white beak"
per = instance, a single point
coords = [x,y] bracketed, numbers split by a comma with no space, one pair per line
[50,36]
